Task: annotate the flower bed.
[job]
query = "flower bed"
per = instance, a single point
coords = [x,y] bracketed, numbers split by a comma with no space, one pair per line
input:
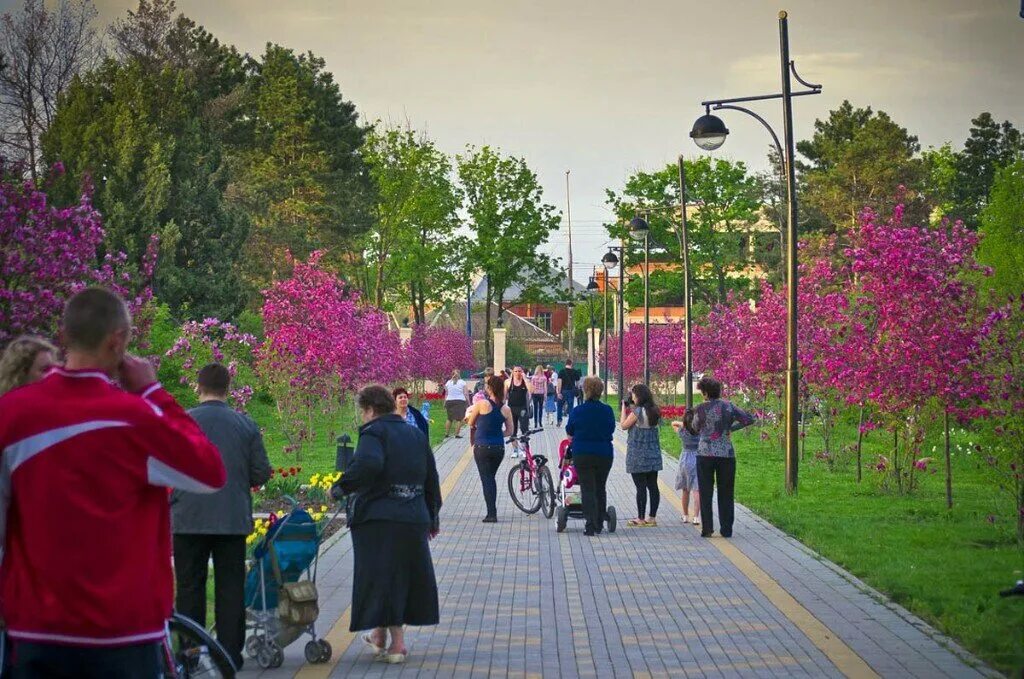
[284,492]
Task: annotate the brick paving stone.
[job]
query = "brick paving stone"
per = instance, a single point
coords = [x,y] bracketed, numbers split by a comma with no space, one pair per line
[520,600]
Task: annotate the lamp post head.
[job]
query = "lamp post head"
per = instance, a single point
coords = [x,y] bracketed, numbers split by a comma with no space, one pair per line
[609,260]
[709,132]
[638,228]
[592,285]
[405,322]
[501,322]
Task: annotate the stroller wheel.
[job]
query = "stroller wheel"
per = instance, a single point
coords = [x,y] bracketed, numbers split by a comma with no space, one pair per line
[612,519]
[252,645]
[318,651]
[269,656]
[561,518]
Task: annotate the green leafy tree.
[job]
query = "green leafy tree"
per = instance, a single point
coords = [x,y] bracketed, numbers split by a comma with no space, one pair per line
[152,141]
[940,171]
[989,146]
[300,175]
[1002,227]
[503,202]
[412,251]
[724,201]
[859,158]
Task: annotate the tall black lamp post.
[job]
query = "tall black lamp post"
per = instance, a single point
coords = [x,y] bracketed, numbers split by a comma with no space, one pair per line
[640,230]
[709,133]
[591,288]
[610,261]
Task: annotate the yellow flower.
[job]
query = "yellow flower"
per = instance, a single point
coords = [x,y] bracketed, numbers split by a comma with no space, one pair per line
[317,516]
[314,479]
[323,508]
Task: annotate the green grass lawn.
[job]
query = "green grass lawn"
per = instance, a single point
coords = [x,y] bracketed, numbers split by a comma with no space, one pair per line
[319,457]
[945,565]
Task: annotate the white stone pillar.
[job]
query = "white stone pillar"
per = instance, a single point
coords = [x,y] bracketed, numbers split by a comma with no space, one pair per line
[405,334]
[499,349]
[594,349]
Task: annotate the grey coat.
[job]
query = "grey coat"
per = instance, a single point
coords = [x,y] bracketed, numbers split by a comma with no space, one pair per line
[229,510]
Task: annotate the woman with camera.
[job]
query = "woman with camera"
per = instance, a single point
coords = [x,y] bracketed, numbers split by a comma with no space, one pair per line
[640,418]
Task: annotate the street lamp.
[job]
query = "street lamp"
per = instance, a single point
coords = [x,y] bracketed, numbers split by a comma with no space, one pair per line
[610,261]
[639,229]
[591,287]
[709,133]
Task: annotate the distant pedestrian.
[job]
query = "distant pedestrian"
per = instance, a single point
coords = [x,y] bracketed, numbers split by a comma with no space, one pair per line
[517,395]
[216,525]
[538,392]
[480,391]
[591,427]
[714,421]
[456,400]
[408,412]
[492,420]
[25,360]
[396,498]
[551,400]
[686,476]
[640,419]
[568,390]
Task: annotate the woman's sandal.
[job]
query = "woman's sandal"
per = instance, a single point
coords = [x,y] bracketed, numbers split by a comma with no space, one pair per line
[368,640]
[651,523]
[636,523]
[392,658]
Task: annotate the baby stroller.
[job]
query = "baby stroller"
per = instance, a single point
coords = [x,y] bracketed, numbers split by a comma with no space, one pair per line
[568,502]
[280,592]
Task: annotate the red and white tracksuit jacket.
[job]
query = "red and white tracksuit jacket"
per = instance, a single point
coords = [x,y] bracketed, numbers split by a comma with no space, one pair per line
[84,516]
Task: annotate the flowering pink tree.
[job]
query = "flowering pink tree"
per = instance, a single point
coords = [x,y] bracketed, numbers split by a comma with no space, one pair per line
[214,340]
[321,343]
[48,254]
[667,354]
[912,329]
[435,352]
[1002,356]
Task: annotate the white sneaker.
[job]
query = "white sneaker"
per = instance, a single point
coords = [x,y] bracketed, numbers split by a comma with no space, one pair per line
[696,521]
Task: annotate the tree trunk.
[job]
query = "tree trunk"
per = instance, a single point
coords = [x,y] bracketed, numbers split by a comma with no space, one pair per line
[860,440]
[949,466]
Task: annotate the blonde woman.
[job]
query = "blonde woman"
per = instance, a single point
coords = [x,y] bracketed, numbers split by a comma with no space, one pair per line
[25,360]
[538,392]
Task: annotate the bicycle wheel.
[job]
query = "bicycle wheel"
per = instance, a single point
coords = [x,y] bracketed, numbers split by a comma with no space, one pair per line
[547,491]
[189,651]
[521,488]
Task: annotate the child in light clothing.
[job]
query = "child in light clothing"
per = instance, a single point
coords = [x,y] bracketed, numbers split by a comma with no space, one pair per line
[686,477]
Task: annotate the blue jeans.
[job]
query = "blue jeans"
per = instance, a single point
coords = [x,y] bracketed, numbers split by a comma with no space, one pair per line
[568,402]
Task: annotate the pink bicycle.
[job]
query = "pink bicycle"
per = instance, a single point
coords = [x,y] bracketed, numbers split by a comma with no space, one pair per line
[529,482]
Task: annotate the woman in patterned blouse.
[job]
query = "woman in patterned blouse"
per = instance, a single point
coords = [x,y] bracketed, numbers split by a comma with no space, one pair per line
[714,421]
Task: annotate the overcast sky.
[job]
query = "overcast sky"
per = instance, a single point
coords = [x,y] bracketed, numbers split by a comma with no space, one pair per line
[604,88]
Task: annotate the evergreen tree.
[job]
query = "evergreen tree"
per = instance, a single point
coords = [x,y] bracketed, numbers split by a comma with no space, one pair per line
[989,146]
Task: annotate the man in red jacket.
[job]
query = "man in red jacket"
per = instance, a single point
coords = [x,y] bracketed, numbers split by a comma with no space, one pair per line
[86,457]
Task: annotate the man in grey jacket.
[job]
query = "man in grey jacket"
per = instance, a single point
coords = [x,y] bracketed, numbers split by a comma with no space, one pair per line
[217,524]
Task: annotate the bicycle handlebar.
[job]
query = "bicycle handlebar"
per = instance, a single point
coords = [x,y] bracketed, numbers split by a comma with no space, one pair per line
[524,437]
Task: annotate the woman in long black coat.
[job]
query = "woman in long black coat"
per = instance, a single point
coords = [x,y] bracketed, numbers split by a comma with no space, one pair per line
[394,499]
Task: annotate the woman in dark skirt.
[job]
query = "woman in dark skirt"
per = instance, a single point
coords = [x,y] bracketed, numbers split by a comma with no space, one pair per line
[394,497]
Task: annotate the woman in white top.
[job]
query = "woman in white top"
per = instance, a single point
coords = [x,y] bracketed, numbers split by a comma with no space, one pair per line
[456,398]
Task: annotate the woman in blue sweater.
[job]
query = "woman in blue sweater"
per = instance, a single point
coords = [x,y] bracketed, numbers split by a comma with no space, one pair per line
[590,427]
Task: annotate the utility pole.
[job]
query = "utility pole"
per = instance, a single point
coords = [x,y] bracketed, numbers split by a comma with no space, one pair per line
[568,222]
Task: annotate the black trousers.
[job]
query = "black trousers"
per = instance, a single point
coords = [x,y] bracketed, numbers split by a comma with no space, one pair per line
[538,410]
[35,661]
[593,471]
[567,403]
[488,460]
[720,470]
[520,420]
[646,484]
[191,555]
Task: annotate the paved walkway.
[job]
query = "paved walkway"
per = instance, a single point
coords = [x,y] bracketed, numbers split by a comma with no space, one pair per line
[520,600]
